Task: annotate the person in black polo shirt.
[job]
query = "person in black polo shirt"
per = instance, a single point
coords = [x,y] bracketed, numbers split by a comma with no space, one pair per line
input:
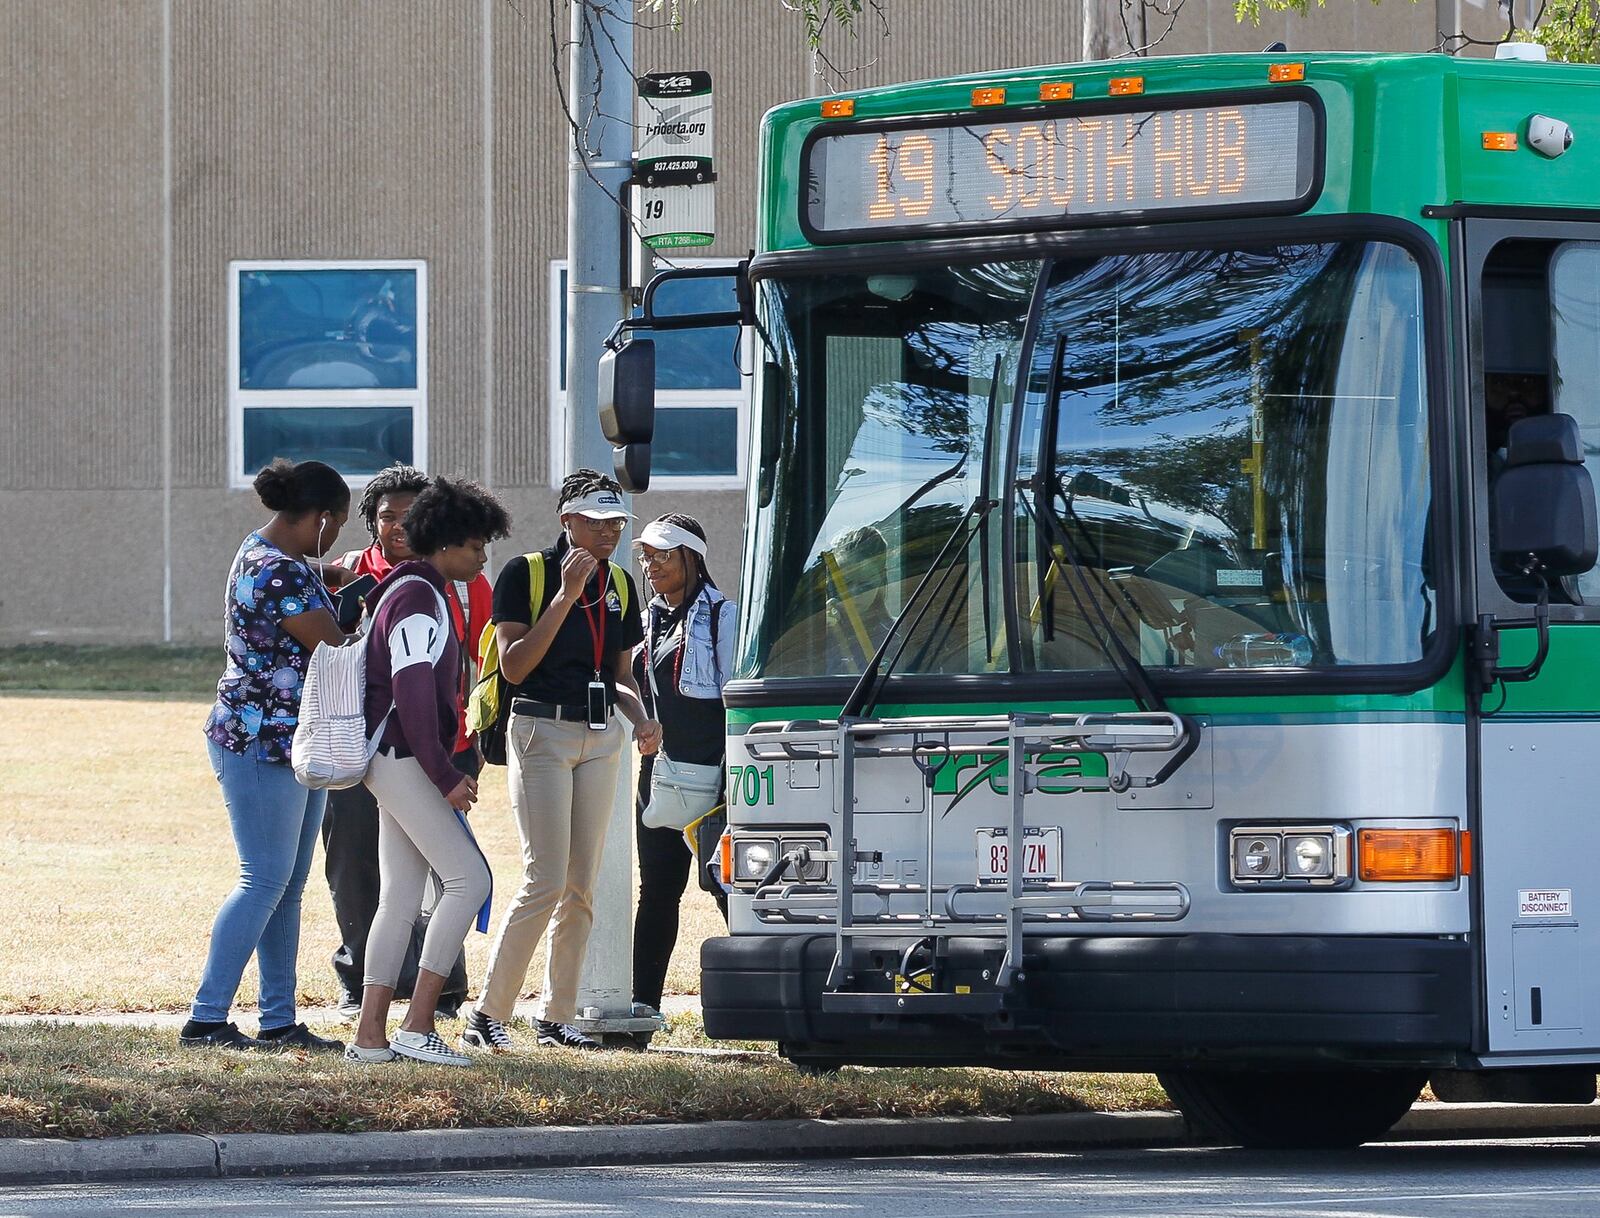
[568,663]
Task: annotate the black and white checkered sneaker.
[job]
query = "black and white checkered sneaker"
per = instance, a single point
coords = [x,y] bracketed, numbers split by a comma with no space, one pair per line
[486,1035]
[426,1047]
[564,1036]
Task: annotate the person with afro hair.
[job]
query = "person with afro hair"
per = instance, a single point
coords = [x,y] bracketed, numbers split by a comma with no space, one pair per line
[414,671]
[350,828]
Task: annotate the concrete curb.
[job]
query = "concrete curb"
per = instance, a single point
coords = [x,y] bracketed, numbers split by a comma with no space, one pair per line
[1427,1121]
[51,1161]
[178,1156]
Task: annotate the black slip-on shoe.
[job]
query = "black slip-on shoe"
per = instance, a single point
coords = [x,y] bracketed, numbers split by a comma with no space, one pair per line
[298,1036]
[227,1036]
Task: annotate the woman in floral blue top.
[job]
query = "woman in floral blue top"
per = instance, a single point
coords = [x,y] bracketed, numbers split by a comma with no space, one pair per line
[277,611]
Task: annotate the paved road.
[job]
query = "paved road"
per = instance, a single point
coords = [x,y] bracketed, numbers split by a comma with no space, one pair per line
[1554,1178]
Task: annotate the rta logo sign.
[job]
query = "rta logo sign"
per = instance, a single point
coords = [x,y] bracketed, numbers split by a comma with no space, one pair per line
[675,83]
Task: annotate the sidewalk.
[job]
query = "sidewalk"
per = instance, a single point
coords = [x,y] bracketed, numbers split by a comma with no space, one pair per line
[673,1004]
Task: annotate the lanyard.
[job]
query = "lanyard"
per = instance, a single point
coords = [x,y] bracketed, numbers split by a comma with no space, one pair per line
[597,628]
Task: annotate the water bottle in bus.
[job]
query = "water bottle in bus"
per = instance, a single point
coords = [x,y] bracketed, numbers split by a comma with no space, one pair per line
[1268,650]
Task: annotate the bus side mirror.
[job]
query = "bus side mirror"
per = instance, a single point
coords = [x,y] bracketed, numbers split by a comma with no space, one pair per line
[632,464]
[626,396]
[627,392]
[1543,506]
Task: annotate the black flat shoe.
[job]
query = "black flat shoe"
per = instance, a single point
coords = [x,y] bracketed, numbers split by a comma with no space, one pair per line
[227,1036]
[297,1036]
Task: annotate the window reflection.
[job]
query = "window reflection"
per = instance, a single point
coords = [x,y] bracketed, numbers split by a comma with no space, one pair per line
[1236,454]
[328,329]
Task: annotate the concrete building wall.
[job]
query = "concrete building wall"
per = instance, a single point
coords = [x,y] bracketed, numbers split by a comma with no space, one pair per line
[152,142]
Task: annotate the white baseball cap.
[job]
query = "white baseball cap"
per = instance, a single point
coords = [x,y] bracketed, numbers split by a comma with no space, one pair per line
[597,505]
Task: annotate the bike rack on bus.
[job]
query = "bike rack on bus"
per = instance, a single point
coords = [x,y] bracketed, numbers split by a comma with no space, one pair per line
[929,743]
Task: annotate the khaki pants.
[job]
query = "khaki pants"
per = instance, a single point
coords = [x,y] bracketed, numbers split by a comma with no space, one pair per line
[563,784]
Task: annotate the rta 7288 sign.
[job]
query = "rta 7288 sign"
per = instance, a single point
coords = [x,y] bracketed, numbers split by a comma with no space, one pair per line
[1061,168]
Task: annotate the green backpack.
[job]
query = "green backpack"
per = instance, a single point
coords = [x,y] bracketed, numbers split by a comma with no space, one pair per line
[489,705]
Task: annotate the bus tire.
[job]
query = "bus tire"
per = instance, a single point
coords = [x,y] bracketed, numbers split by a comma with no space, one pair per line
[816,1067]
[1293,1109]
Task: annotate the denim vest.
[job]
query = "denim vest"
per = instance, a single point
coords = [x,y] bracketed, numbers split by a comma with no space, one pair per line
[705,672]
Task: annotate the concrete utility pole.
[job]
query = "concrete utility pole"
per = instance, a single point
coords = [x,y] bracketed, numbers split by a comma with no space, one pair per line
[1102,29]
[599,163]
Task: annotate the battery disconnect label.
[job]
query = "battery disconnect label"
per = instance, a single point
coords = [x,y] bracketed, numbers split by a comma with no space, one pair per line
[1544,903]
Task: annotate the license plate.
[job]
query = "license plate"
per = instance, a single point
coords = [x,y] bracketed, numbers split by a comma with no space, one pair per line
[1041,854]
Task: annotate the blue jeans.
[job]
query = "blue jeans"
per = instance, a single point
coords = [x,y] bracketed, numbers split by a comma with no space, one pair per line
[275,824]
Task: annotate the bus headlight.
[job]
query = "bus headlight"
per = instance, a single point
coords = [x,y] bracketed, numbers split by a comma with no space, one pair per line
[752,857]
[1289,856]
[1257,857]
[1308,855]
[815,870]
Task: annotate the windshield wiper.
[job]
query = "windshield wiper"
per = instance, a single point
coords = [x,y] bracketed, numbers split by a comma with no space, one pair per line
[1126,665]
[1123,661]
[867,688]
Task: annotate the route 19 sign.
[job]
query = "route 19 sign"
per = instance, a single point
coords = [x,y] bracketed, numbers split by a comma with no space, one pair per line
[674,173]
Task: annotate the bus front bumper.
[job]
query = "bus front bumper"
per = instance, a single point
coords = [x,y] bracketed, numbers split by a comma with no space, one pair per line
[1108,1002]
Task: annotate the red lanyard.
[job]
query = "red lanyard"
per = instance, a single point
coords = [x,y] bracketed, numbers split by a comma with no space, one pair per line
[597,629]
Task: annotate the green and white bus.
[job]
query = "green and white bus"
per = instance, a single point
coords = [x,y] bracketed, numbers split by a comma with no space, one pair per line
[1171,630]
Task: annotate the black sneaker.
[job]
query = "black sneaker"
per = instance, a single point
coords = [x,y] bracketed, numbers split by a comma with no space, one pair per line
[564,1036]
[227,1036]
[485,1034]
[296,1036]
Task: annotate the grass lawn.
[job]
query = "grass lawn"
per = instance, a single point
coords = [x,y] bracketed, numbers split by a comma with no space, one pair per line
[117,854]
[102,1082]
[153,668]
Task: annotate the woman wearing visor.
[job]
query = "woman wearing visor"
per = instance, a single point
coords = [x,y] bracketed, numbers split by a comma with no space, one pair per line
[566,622]
[683,665]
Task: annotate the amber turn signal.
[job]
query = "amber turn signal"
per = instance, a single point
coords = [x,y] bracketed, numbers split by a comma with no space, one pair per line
[1057,90]
[1126,86]
[1278,73]
[839,107]
[1500,141]
[725,856]
[989,97]
[1402,855]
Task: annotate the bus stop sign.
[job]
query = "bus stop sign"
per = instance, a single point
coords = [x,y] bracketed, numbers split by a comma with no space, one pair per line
[674,174]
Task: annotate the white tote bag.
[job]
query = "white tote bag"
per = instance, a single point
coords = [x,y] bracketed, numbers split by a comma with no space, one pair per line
[331,749]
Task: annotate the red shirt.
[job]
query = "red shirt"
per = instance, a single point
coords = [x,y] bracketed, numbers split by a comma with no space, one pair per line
[468,632]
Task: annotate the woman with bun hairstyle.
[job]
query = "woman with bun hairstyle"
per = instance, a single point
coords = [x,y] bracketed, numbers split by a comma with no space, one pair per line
[414,665]
[685,661]
[276,611]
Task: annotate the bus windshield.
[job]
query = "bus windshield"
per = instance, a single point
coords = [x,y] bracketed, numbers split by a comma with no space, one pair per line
[1221,456]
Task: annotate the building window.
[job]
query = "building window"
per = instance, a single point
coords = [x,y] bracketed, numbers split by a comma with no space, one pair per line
[328,361]
[702,388]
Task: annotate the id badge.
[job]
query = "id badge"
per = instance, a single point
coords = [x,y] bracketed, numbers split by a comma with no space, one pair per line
[599,711]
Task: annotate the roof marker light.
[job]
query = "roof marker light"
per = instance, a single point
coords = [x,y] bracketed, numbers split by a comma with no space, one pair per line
[1126,86]
[839,107]
[991,96]
[1058,90]
[1278,73]
[1500,141]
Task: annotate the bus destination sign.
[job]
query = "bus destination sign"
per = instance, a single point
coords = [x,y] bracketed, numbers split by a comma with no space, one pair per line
[1085,168]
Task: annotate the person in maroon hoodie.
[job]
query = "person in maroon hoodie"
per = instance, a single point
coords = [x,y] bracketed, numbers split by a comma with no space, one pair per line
[350,826]
[413,674]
